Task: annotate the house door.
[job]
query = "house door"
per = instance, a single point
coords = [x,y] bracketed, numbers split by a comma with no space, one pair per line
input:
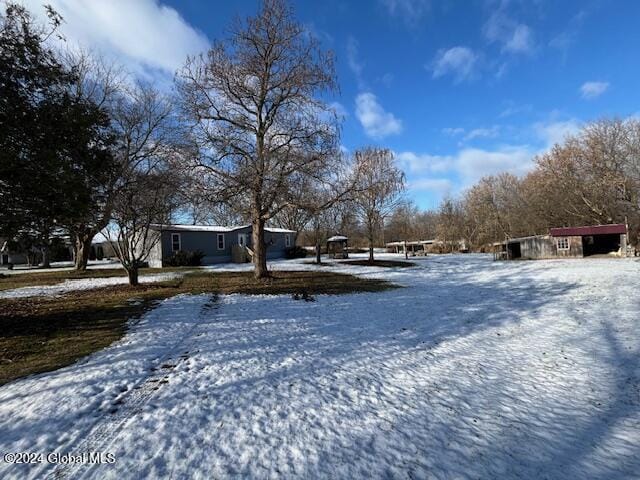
[243,239]
[5,259]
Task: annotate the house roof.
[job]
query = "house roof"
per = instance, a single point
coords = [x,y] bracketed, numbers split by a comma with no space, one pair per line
[616,228]
[212,228]
[519,239]
[410,242]
[278,230]
[337,238]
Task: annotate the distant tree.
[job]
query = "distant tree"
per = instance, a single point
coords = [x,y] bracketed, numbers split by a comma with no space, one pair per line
[450,223]
[496,208]
[379,189]
[586,175]
[402,223]
[426,224]
[319,199]
[253,103]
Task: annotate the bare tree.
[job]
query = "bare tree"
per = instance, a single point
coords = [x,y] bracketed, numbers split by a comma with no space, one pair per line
[101,83]
[320,198]
[450,223]
[145,191]
[147,199]
[379,189]
[252,101]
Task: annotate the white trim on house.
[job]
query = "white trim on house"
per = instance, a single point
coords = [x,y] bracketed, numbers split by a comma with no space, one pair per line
[242,239]
[173,242]
[218,237]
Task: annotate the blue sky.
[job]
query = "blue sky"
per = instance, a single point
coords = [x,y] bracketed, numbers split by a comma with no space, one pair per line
[457,89]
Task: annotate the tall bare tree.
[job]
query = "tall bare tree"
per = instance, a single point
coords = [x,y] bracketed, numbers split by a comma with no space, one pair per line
[148,146]
[253,105]
[101,83]
[379,189]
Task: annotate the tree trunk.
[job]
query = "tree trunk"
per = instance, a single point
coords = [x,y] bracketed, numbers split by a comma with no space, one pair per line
[82,249]
[133,276]
[318,247]
[46,260]
[259,249]
[371,235]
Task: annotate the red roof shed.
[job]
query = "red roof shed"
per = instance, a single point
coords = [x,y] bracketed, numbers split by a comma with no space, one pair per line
[616,228]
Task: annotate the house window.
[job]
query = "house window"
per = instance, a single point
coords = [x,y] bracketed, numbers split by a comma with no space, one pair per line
[287,241]
[175,242]
[563,243]
[221,241]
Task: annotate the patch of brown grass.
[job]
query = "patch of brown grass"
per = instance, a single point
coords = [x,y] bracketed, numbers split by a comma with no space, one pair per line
[35,278]
[379,263]
[41,334]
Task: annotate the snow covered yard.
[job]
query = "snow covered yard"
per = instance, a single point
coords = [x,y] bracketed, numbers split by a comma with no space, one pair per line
[477,369]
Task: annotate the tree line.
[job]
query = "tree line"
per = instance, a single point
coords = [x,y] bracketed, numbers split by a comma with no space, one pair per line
[243,136]
[591,178]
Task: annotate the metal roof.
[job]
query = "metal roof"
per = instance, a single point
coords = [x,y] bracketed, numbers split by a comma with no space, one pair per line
[213,228]
[616,228]
[410,243]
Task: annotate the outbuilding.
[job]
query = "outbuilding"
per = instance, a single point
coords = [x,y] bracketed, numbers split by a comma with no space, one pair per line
[574,242]
[412,248]
[338,246]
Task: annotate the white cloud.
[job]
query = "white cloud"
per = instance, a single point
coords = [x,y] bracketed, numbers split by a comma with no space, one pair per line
[475,163]
[421,163]
[591,90]
[339,109]
[463,168]
[514,109]
[569,36]
[551,133]
[353,60]
[143,34]
[514,37]
[387,79]
[410,11]
[377,122]
[458,61]
[483,133]
[520,41]
[453,132]
[467,165]
[441,186]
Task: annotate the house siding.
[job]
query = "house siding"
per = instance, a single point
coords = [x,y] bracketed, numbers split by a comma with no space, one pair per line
[207,243]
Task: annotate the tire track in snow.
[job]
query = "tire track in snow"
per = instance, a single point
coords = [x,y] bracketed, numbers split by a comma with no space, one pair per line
[109,425]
